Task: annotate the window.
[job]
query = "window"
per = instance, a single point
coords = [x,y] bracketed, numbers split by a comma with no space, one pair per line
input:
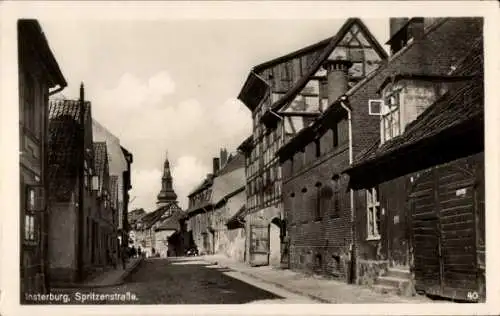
[318,147]
[29,228]
[390,118]
[317,202]
[335,135]
[373,216]
[336,196]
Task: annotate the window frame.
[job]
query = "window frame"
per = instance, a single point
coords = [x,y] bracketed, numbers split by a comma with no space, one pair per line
[373,214]
[391,110]
[317,205]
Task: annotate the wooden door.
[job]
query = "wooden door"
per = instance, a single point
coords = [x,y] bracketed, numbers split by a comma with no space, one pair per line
[444,231]
[426,234]
[259,245]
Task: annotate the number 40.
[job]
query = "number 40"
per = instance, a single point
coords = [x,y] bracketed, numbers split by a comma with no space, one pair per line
[473,295]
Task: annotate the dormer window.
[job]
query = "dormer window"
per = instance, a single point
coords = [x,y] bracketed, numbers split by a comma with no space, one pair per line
[390,116]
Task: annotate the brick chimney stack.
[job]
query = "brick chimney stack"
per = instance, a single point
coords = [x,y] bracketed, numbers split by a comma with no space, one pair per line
[223,157]
[216,165]
[395,24]
[337,81]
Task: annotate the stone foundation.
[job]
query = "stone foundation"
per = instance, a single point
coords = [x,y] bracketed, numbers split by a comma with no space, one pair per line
[330,262]
[370,270]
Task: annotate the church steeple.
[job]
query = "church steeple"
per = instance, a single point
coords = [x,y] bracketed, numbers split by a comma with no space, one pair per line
[167,194]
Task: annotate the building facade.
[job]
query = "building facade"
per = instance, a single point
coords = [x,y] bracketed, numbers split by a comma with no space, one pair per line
[318,206]
[218,198]
[119,167]
[82,223]
[153,229]
[39,77]
[285,95]
[425,212]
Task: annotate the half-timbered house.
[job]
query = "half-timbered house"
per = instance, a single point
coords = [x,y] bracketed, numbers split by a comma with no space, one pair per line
[285,96]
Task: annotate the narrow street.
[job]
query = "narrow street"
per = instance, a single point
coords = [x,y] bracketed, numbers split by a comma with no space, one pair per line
[192,281]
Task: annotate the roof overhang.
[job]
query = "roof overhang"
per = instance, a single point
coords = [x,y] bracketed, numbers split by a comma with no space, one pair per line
[424,77]
[31,28]
[253,91]
[247,145]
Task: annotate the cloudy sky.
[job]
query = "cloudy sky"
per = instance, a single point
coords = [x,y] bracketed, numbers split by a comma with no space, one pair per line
[171,85]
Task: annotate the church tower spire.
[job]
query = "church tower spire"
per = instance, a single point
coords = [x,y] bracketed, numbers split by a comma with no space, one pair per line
[167,194]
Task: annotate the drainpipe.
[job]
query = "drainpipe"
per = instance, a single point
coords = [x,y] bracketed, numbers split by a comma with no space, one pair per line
[343,99]
[80,186]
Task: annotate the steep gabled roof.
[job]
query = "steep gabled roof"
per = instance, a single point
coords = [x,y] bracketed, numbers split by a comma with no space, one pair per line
[464,102]
[332,43]
[149,219]
[432,56]
[100,157]
[64,153]
[327,46]
[113,186]
[31,30]
[136,214]
[64,157]
[172,222]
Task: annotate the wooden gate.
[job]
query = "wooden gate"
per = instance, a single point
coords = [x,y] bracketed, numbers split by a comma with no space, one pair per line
[443,205]
[259,245]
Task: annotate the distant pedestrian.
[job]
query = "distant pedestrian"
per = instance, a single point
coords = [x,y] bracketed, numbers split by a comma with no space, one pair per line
[139,251]
[124,256]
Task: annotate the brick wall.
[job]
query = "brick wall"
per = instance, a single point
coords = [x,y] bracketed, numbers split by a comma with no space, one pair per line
[322,244]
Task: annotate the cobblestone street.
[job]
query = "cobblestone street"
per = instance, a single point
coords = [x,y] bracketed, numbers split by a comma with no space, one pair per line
[190,281]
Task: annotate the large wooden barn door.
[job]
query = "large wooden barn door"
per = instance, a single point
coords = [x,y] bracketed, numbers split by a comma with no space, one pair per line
[444,237]
[426,236]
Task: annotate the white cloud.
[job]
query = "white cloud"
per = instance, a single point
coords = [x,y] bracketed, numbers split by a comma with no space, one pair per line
[133,93]
[148,123]
[146,184]
[187,172]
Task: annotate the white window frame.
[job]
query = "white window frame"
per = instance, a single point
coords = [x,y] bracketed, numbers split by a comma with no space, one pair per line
[372,204]
[391,109]
[370,106]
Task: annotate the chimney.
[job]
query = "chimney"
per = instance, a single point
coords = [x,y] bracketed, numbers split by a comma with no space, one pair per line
[416,28]
[395,24]
[337,78]
[216,165]
[223,157]
[402,30]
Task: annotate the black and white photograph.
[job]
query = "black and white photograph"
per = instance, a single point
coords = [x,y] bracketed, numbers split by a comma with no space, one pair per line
[262,159]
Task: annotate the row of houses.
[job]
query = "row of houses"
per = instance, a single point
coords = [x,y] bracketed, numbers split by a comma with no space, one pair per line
[362,166]
[154,232]
[74,176]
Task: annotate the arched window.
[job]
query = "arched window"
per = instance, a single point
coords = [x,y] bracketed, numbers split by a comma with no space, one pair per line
[336,196]
[317,202]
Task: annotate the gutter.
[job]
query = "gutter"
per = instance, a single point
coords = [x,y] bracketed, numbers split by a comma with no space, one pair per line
[352,246]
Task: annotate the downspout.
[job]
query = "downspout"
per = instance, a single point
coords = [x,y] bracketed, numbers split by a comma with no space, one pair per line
[352,278]
[80,187]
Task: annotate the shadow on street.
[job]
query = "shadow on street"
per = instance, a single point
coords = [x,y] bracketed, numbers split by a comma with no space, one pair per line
[190,281]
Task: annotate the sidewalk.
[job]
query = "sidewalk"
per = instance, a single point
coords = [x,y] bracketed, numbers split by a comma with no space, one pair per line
[109,277]
[318,288]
